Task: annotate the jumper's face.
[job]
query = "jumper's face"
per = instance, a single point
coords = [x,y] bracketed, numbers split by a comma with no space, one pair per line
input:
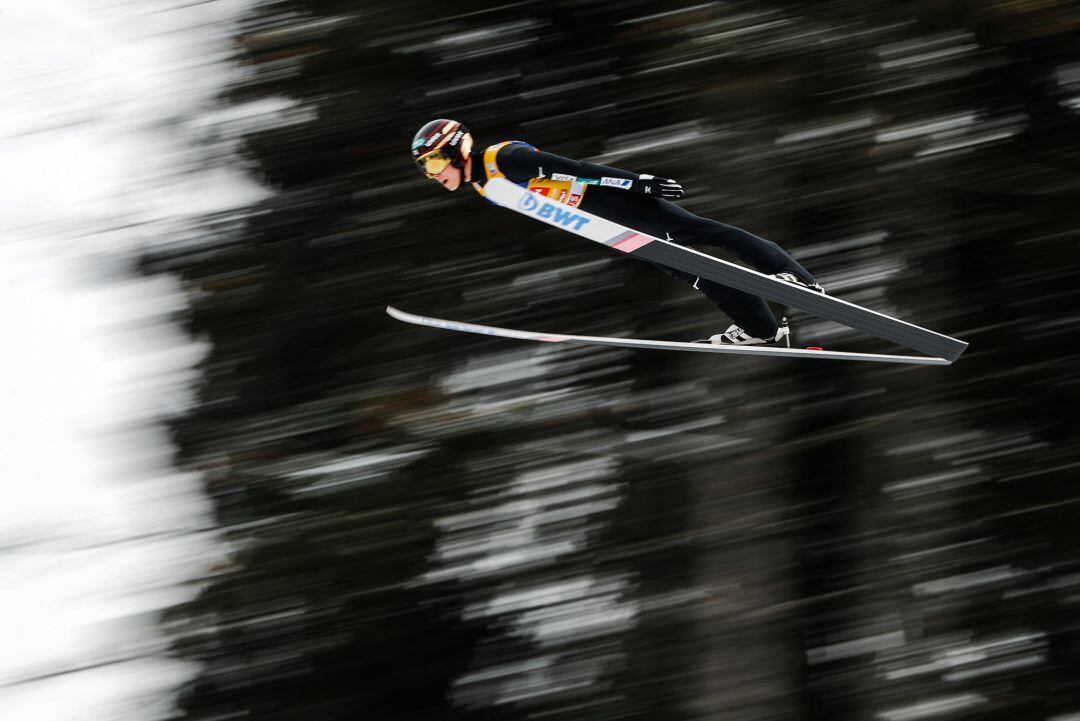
[449,177]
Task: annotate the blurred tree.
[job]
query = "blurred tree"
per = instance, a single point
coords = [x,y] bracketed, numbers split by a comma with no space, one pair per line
[698,538]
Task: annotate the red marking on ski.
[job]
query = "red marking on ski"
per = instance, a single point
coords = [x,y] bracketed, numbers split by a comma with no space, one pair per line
[632,243]
[813,347]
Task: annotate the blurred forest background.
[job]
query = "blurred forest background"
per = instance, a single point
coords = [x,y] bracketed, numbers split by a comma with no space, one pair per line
[427,525]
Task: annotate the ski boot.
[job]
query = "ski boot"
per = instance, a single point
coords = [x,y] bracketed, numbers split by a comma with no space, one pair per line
[735,335]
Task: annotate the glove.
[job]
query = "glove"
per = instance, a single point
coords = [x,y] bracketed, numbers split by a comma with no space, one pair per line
[658,187]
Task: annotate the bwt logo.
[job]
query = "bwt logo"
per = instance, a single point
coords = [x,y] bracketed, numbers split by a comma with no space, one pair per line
[551,212]
[528,202]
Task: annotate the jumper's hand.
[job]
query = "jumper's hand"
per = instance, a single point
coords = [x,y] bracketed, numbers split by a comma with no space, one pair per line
[659,187]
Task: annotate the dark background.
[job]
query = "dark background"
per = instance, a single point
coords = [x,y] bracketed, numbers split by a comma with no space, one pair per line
[428,525]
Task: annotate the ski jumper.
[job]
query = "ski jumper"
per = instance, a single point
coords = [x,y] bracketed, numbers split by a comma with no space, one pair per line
[600,190]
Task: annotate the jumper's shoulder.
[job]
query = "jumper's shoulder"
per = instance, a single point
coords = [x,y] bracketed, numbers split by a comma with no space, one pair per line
[506,147]
[510,150]
[512,158]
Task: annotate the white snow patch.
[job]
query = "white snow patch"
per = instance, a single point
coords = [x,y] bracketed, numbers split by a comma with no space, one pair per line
[103,156]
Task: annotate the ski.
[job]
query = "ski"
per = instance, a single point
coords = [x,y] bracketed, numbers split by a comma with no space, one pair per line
[657,344]
[640,245]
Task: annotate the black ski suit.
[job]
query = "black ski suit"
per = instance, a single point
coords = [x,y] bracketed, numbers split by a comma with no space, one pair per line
[662,219]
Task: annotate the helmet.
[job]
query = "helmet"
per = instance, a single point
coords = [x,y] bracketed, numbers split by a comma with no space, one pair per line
[440,143]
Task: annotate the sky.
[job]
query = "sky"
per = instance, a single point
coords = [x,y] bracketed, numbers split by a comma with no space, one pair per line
[112,141]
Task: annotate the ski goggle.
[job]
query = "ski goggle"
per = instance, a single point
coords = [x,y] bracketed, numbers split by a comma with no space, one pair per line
[433,163]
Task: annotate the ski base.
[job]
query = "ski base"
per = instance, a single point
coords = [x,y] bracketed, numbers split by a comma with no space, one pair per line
[782,352]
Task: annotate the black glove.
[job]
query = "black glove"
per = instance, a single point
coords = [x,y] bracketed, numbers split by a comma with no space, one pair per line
[658,187]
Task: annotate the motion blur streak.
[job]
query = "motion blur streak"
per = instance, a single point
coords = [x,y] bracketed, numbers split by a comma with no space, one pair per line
[105,150]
